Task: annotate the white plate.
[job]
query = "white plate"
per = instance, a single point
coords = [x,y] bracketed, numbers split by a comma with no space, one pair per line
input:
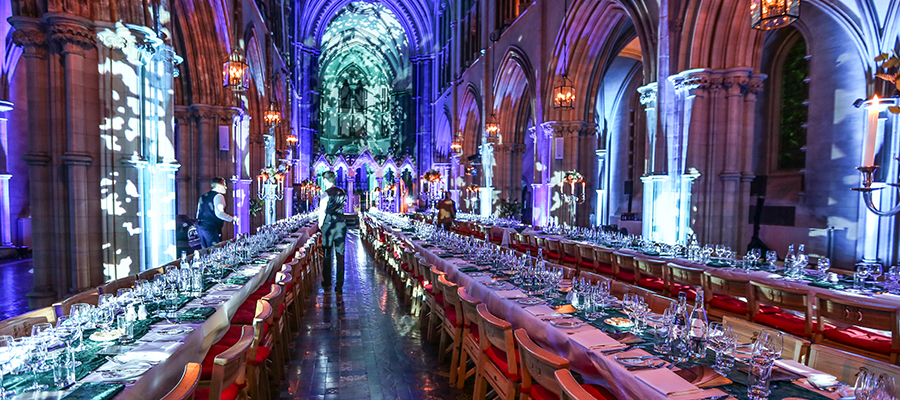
[567,323]
[125,372]
[175,331]
[529,301]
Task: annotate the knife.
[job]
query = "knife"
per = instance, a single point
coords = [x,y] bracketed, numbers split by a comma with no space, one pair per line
[614,351]
[636,357]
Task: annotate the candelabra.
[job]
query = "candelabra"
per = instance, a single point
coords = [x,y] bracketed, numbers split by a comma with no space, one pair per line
[874,109]
[270,188]
[309,191]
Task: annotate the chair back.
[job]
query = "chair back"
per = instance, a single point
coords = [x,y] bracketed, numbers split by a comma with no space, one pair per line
[229,366]
[684,275]
[497,332]
[570,389]
[570,250]
[540,243]
[91,297]
[782,297]
[538,364]
[841,311]
[603,256]
[448,289]
[469,307]
[587,256]
[794,348]
[646,268]
[619,289]
[844,365]
[184,390]
[553,247]
[623,262]
[264,316]
[20,326]
[658,303]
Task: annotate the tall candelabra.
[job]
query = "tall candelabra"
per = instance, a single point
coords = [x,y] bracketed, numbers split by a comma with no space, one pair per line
[309,191]
[270,188]
[876,116]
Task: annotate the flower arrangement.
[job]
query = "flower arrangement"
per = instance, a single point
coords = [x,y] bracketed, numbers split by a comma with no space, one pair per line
[889,70]
[472,188]
[256,205]
[432,176]
[573,177]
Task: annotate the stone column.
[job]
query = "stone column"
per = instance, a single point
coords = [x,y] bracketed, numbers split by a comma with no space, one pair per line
[5,226]
[422,76]
[306,110]
[74,37]
[242,178]
[29,36]
[649,101]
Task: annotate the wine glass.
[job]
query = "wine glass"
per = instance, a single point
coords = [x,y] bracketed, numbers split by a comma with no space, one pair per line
[822,267]
[772,258]
[71,336]
[7,353]
[769,343]
[893,276]
[105,316]
[862,272]
[875,271]
[865,383]
[766,349]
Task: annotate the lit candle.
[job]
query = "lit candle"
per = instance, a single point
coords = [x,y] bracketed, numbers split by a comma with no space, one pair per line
[582,188]
[872,111]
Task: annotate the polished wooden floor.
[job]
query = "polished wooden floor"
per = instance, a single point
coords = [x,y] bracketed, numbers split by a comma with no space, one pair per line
[363,343]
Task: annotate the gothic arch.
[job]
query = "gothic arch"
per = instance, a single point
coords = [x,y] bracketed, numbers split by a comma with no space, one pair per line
[193,23]
[469,120]
[513,93]
[412,14]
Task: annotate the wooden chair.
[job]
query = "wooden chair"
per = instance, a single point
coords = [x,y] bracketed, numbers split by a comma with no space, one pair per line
[684,279]
[540,244]
[570,255]
[451,326]
[519,242]
[227,371]
[619,289]
[20,326]
[794,348]
[64,307]
[871,330]
[470,337]
[434,301]
[539,366]
[650,274]
[150,273]
[658,303]
[787,299]
[257,357]
[586,260]
[570,389]
[184,390]
[623,268]
[724,296]
[497,364]
[553,250]
[844,365]
[604,260]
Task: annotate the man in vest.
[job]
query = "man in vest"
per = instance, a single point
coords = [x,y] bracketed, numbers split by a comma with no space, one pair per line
[211,215]
[334,230]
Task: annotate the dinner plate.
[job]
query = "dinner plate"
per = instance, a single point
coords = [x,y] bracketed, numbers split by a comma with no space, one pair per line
[637,361]
[495,284]
[211,302]
[101,336]
[619,322]
[567,323]
[529,301]
[229,286]
[123,373]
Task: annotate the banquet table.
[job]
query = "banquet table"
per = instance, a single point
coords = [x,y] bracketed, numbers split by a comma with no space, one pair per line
[590,363]
[176,352]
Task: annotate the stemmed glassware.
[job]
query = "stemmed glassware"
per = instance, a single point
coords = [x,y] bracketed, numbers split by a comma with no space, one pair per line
[723,341]
[35,354]
[822,267]
[892,277]
[859,278]
[875,271]
[7,353]
[766,349]
[772,259]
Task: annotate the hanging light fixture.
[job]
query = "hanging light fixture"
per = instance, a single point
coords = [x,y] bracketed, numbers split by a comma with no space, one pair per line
[456,147]
[291,139]
[773,14]
[236,72]
[492,128]
[564,94]
[272,115]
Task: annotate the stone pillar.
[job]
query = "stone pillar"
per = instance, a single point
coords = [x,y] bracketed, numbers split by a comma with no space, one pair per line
[29,36]
[5,226]
[648,100]
[242,178]
[306,111]
[579,141]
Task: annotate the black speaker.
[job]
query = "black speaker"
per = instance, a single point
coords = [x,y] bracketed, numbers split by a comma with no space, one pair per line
[758,186]
[629,188]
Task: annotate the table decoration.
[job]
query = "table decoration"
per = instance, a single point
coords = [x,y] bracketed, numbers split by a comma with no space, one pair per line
[196,314]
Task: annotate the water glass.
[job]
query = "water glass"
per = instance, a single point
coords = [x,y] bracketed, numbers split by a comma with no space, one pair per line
[865,384]
[758,379]
[660,335]
[822,267]
[63,371]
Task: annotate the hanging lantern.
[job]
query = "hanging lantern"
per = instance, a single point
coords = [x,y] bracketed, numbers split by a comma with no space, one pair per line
[773,14]
[564,94]
[492,128]
[291,140]
[236,72]
[456,148]
[272,115]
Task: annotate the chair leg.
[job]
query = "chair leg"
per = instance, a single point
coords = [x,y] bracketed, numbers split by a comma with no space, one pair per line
[454,360]
[480,382]
[442,353]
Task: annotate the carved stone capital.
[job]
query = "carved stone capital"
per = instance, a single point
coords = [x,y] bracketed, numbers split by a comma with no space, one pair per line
[71,32]
[755,86]
[570,128]
[648,94]
[690,81]
[112,39]
[28,35]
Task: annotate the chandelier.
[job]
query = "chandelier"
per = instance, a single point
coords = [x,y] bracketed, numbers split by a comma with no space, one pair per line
[272,115]
[270,184]
[236,72]
[291,140]
[456,148]
[564,95]
[773,14]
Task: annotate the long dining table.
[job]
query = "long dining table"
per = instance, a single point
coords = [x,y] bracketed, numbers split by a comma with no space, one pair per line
[170,353]
[590,362]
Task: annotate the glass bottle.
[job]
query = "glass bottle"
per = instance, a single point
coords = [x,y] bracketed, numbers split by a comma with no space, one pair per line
[678,347]
[698,323]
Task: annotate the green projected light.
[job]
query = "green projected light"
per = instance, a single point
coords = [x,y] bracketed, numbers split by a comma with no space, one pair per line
[364,63]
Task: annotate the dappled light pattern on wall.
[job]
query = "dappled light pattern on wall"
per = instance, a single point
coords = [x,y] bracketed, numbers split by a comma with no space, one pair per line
[365,78]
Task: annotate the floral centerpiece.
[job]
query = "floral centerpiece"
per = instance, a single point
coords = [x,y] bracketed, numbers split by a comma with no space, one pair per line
[573,177]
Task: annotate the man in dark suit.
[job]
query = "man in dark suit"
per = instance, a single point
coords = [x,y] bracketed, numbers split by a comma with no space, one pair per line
[211,215]
[334,230]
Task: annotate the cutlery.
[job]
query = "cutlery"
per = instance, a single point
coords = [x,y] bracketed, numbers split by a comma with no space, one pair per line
[615,351]
[685,392]
[636,358]
[643,367]
[617,346]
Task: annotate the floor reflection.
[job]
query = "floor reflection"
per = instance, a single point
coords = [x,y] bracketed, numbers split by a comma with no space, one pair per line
[364,344]
[16,280]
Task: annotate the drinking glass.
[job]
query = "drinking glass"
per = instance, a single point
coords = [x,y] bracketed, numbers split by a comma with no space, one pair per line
[884,388]
[105,316]
[7,353]
[772,259]
[723,340]
[865,383]
[34,358]
[893,277]
[766,349]
[859,278]
[875,271]
[822,267]
[72,337]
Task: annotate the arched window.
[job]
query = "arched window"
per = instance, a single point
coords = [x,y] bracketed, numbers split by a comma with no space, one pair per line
[793,112]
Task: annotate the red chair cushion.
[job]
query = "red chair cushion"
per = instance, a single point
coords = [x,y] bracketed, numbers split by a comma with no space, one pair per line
[498,357]
[538,392]
[604,268]
[861,338]
[787,322]
[689,291]
[450,311]
[625,275]
[586,264]
[439,299]
[738,306]
[652,283]
[234,334]
[570,259]
[230,393]
[552,254]
[262,354]
[599,392]
[243,316]
[206,365]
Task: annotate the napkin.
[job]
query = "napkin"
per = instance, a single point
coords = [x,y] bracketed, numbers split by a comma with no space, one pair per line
[95,391]
[484,279]
[511,294]
[541,310]
[703,376]
[196,314]
[594,338]
[664,381]
[800,369]
[239,280]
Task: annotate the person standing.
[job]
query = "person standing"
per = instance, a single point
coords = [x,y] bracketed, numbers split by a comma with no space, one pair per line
[446,211]
[211,215]
[334,230]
